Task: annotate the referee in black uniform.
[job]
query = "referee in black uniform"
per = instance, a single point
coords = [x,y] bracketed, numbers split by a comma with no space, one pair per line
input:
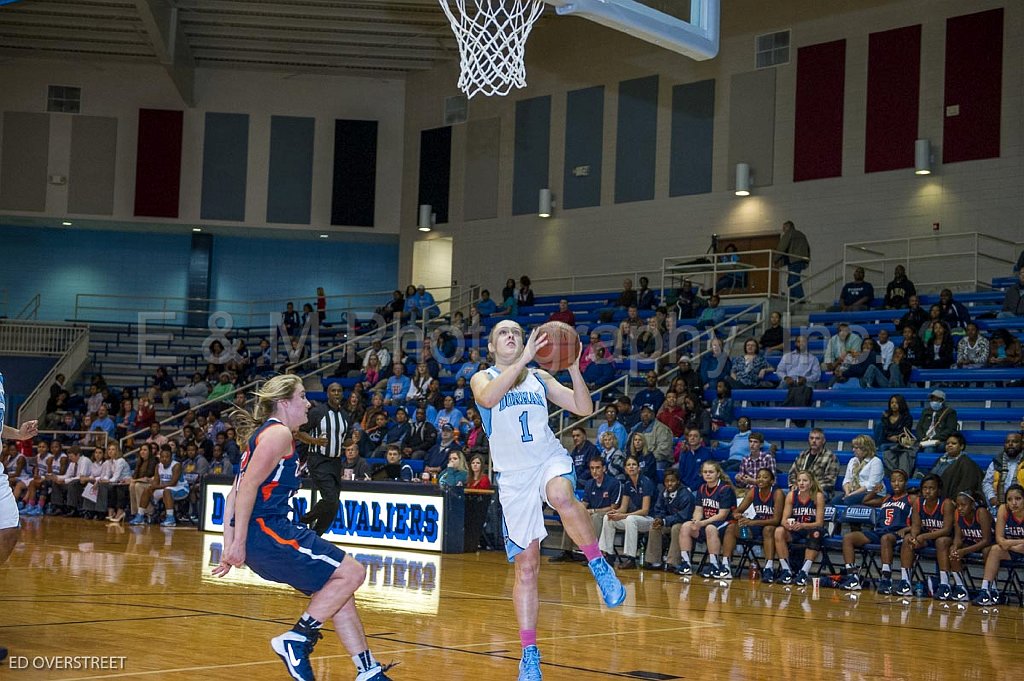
[324,434]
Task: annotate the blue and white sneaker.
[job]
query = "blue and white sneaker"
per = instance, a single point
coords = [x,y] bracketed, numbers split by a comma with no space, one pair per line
[611,588]
[942,592]
[294,650]
[801,578]
[708,571]
[768,576]
[380,675]
[684,569]
[169,521]
[723,572]
[785,577]
[885,586]
[903,588]
[529,666]
[850,582]
[24,509]
[987,597]
[960,594]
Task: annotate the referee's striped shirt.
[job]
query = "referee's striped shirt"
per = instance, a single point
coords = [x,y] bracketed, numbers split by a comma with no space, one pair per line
[328,423]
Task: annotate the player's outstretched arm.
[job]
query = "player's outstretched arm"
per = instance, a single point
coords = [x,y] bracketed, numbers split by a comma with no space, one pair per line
[29,429]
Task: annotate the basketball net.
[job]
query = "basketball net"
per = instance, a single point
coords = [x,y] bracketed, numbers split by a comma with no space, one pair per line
[492,42]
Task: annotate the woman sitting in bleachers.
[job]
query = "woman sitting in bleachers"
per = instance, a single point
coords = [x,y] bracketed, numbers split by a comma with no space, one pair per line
[749,370]
[715,364]
[640,450]
[972,350]
[1004,350]
[864,474]
[613,457]
[896,420]
[1009,544]
[939,350]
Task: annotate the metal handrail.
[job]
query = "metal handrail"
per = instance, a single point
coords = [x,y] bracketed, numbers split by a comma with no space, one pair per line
[96,432]
[559,413]
[30,309]
[634,275]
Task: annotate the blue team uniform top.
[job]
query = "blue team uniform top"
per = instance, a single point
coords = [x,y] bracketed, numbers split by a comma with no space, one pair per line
[894,513]
[1014,527]
[713,500]
[280,485]
[764,509]
[933,520]
[637,492]
[970,531]
[804,510]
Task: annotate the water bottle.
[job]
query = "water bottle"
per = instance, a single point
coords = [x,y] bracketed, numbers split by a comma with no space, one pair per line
[745,533]
[755,572]
[919,589]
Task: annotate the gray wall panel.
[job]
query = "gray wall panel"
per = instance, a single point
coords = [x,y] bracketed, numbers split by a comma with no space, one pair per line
[91,170]
[693,133]
[483,155]
[532,151]
[636,140]
[584,141]
[752,125]
[24,156]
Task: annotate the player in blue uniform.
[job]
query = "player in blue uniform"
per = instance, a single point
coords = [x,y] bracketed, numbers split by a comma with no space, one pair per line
[892,522]
[716,500]
[972,533]
[803,521]
[1009,543]
[534,467]
[259,534]
[933,520]
[768,502]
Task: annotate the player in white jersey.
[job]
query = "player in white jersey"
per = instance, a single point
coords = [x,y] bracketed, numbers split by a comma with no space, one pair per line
[533,467]
[9,526]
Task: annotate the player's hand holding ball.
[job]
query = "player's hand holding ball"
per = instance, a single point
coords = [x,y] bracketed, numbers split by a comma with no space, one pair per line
[561,348]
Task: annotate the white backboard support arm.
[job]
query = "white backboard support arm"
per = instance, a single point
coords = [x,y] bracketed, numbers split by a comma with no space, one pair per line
[697,38]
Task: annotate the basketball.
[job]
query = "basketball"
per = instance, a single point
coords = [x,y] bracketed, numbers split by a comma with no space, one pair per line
[562,348]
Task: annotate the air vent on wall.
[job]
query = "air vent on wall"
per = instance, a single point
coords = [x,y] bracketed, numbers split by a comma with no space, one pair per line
[771,49]
[456,109]
[64,99]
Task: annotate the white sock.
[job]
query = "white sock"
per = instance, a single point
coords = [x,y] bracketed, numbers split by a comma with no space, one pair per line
[685,555]
[904,574]
[714,559]
[849,566]
[364,663]
[886,572]
[723,561]
[783,563]
[807,566]
[984,585]
[958,578]
[943,577]
[769,565]
[170,514]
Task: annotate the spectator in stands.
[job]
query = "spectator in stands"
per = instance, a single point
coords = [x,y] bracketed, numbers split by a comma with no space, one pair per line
[438,455]
[796,257]
[798,366]
[476,438]
[864,474]
[628,330]
[712,315]
[914,317]
[565,315]
[419,384]
[354,466]
[739,446]
[611,422]
[612,455]
[659,437]
[688,304]
[758,457]
[627,298]
[913,348]
[938,421]
[308,316]
[449,414]
[225,386]
[422,436]
[462,394]
[819,460]
[1013,302]
[1008,546]
[525,295]
[629,414]
[857,363]
[1004,350]
[899,291]
[954,313]
[803,520]
[690,454]
[421,305]
[673,507]
[633,515]
[94,401]
[839,346]
[749,371]
[689,378]
[162,386]
[651,339]
[397,433]
[712,513]
[456,473]
[193,394]
[645,298]
[601,371]
[194,468]
[485,306]
[928,328]
[126,417]
[478,478]
[393,468]
[470,367]
[508,308]
[376,407]
[393,308]
[509,289]
[772,339]
[698,415]
[721,406]
[1004,471]
[601,495]
[397,386]
[145,414]
[219,463]
[857,294]
[939,350]
[714,365]
[895,423]
[583,450]
[290,319]
[380,352]
[958,471]
[672,415]
[972,350]
[885,348]
[651,395]
[104,422]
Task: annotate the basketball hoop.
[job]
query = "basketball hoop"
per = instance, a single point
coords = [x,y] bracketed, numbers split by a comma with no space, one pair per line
[492,42]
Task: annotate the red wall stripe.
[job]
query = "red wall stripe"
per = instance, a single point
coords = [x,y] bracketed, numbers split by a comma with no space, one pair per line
[158,163]
[974,83]
[894,90]
[818,138]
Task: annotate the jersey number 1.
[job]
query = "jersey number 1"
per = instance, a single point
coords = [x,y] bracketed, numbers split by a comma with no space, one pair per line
[526,427]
